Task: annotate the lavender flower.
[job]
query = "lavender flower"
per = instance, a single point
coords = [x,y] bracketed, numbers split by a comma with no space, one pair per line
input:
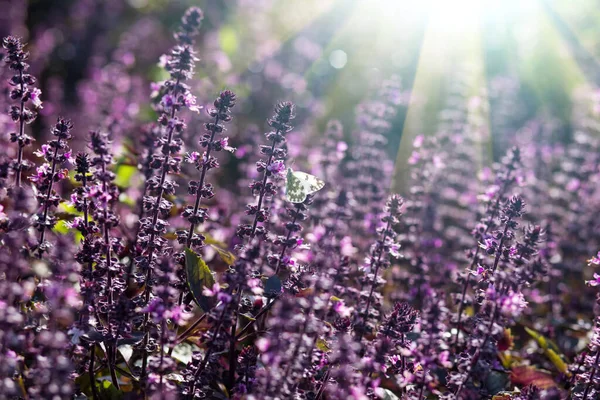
[380,256]
[587,383]
[56,153]
[205,162]
[174,96]
[264,188]
[23,91]
[308,300]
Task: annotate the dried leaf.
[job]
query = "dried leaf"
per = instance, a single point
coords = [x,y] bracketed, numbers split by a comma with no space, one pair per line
[526,375]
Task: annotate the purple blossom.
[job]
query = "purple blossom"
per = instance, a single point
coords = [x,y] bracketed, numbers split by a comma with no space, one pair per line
[149,262]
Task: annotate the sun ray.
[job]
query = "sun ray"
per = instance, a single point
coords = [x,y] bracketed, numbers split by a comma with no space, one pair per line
[442,51]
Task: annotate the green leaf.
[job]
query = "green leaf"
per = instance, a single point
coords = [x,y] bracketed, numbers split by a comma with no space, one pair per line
[228,40]
[220,247]
[61,227]
[183,352]
[225,255]
[84,384]
[248,316]
[123,175]
[539,338]
[108,391]
[322,345]
[67,208]
[198,276]
[550,349]
[557,361]
[209,239]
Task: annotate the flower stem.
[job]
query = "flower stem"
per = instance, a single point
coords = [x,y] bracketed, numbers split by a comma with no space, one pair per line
[47,200]
[201,183]
[374,283]
[21,131]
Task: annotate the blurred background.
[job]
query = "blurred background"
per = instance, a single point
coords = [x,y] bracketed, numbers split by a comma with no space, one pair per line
[501,69]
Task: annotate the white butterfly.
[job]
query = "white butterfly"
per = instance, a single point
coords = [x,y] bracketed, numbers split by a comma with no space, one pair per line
[298,185]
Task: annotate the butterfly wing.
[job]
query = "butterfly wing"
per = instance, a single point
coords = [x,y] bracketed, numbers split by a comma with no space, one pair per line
[295,190]
[310,182]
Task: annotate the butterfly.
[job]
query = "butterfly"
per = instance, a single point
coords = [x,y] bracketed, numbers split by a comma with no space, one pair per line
[298,185]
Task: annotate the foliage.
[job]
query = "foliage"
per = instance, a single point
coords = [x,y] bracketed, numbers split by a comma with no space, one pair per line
[149,255]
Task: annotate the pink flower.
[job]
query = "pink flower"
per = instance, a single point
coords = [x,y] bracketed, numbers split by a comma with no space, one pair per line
[42,151]
[62,174]
[418,142]
[168,101]
[489,193]
[444,359]
[254,285]
[192,157]
[595,281]
[395,250]
[263,344]
[69,156]
[35,98]
[75,224]
[346,247]
[513,304]
[190,102]
[573,185]
[178,316]
[276,167]
[155,87]
[340,308]
[163,61]
[41,172]
[210,292]
[288,261]
[414,158]
[479,271]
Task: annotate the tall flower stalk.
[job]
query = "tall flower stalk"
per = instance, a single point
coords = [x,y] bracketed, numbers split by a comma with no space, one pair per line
[104,195]
[496,195]
[87,254]
[25,93]
[273,166]
[55,153]
[175,96]
[380,255]
[204,162]
[588,381]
